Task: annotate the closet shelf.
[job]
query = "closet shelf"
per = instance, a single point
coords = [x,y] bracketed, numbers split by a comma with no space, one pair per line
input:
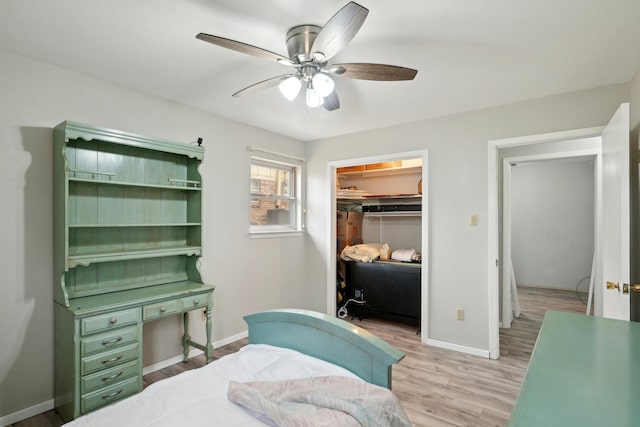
[414,170]
[392,214]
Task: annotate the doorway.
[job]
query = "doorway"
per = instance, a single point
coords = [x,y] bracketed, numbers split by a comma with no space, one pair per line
[332,168]
[583,142]
[549,221]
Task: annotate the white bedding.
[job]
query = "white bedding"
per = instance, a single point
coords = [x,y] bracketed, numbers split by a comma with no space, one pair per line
[199,397]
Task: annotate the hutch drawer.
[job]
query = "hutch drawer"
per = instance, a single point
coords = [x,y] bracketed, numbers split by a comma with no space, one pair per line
[108,321]
[109,358]
[109,376]
[194,301]
[165,308]
[108,340]
[108,395]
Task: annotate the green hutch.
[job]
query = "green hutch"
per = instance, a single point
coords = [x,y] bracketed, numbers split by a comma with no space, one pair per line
[128,237]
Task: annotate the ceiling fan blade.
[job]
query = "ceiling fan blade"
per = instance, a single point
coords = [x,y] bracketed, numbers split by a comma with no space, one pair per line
[372,72]
[265,84]
[331,102]
[338,31]
[244,48]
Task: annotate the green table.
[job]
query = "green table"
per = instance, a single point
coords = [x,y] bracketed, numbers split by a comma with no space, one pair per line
[584,371]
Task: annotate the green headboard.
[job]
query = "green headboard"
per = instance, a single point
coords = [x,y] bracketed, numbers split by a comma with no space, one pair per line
[327,338]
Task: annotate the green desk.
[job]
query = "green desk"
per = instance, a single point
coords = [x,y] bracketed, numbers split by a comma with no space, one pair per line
[584,371]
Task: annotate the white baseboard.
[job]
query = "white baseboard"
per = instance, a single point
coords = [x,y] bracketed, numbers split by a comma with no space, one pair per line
[195,352]
[49,404]
[461,348]
[26,413]
[230,339]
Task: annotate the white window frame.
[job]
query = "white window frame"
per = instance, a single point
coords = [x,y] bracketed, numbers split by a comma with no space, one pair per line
[295,225]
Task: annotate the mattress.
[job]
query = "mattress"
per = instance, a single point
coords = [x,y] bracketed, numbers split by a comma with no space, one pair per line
[199,396]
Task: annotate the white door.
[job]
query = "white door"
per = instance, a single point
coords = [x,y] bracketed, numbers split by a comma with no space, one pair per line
[615,216]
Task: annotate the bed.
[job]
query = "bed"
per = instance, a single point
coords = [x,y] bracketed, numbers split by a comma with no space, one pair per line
[299,351]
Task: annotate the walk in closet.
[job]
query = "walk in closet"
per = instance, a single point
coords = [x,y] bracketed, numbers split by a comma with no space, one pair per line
[380,209]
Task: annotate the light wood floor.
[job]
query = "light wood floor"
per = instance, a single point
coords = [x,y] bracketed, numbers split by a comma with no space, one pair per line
[437,387]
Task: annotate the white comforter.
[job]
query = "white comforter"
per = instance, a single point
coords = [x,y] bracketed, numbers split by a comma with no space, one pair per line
[199,397]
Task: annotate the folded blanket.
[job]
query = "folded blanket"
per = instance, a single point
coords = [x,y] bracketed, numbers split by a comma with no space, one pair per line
[367,252]
[406,255]
[321,401]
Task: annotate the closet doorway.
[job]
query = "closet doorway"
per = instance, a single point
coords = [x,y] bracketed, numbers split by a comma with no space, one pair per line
[382,192]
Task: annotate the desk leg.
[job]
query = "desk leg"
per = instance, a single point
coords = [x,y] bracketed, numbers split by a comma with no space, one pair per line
[185,337]
[208,351]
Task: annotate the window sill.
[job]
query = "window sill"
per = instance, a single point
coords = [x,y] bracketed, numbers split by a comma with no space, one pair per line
[273,233]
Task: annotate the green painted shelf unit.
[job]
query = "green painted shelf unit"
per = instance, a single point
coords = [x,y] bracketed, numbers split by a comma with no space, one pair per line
[128,238]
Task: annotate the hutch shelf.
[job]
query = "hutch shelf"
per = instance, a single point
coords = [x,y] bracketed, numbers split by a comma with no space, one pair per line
[128,237]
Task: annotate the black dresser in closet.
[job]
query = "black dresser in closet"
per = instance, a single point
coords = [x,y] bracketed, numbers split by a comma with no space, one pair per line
[391,290]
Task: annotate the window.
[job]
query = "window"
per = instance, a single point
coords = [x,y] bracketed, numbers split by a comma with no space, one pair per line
[275,196]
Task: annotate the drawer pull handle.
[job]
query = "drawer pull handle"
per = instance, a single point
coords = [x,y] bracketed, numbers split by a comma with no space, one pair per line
[113,359]
[196,302]
[110,377]
[163,308]
[113,320]
[115,393]
[113,341]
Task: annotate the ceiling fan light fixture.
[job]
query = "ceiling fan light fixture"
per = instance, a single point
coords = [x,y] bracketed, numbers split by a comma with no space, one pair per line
[313,98]
[290,87]
[323,84]
[310,48]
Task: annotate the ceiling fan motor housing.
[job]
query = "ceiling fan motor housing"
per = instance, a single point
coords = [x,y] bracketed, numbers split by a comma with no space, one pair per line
[300,40]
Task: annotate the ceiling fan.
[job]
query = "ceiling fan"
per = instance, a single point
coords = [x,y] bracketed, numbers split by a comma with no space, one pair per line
[310,47]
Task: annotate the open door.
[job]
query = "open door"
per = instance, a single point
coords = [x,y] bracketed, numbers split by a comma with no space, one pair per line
[616,236]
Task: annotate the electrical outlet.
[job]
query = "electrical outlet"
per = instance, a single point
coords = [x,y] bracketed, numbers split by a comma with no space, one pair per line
[204,314]
[459,313]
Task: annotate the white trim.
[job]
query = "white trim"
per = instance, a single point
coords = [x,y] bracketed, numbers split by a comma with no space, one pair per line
[507,312]
[331,227]
[494,251]
[547,137]
[229,340]
[168,362]
[331,248]
[275,153]
[492,215]
[194,352]
[25,413]
[272,234]
[456,347]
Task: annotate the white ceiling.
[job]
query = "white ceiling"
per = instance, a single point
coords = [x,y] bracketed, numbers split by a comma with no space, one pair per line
[469,54]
